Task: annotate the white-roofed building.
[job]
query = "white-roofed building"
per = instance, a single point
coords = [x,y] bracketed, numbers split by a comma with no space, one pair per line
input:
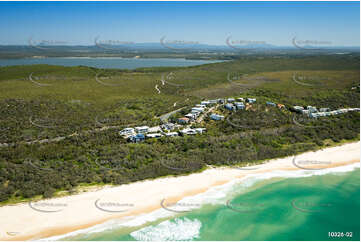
[142,129]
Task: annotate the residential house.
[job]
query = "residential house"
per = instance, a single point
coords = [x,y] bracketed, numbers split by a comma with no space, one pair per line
[314,115]
[230,106]
[250,100]
[171,134]
[200,130]
[312,109]
[136,138]
[220,100]
[324,109]
[216,117]
[168,126]
[195,112]
[271,103]
[201,106]
[188,132]
[127,132]
[142,129]
[298,109]
[200,110]
[192,116]
[343,110]
[239,105]
[183,120]
[214,101]
[154,135]
[206,103]
[305,112]
[155,129]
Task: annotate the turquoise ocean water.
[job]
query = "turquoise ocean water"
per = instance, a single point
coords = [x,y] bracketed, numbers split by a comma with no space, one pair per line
[302,205]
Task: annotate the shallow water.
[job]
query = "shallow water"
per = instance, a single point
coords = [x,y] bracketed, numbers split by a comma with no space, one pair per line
[306,205]
[119,63]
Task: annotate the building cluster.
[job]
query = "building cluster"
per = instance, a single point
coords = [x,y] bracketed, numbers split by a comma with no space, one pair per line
[216,117]
[234,104]
[231,104]
[189,131]
[279,105]
[139,134]
[238,103]
[197,110]
[313,112]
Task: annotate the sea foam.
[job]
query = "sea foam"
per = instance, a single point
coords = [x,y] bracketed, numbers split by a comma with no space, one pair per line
[181,229]
[215,195]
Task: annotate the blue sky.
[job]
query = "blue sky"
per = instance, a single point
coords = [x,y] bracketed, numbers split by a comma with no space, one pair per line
[205,22]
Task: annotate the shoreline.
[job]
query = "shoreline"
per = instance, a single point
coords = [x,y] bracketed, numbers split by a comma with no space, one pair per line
[81,210]
[114,57]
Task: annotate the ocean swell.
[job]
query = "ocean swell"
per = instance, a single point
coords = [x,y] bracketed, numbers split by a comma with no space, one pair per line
[214,195]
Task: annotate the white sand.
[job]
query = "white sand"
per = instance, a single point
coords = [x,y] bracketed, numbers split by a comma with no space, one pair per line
[21,222]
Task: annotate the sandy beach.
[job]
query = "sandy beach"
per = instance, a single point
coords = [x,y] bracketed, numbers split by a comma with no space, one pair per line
[66,214]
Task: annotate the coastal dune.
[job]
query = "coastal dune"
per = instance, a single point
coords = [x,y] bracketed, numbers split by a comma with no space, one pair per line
[62,215]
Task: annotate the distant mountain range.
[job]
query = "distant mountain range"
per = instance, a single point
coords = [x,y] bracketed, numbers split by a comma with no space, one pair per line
[170,46]
[164,50]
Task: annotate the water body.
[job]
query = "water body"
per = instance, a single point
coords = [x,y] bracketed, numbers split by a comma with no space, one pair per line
[281,206]
[105,62]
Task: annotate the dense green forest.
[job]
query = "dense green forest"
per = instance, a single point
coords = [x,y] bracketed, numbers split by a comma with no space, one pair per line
[88,114]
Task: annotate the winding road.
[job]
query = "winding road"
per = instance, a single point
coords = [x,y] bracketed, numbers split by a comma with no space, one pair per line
[38,83]
[165,117]
[156,88]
